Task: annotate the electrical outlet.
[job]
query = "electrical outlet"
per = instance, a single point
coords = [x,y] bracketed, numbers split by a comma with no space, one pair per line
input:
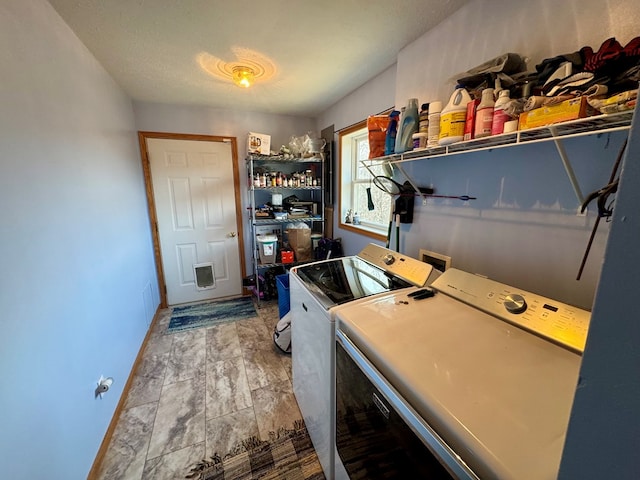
[102,386]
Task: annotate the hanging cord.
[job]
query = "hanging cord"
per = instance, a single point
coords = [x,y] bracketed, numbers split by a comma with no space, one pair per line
[605,208]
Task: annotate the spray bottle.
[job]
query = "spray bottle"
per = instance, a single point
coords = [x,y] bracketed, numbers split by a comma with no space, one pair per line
[392,131]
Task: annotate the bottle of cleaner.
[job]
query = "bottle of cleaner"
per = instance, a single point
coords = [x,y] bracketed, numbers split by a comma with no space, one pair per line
[453,117]
[410,122]
[392,131]
[434,124]
[424,118]
[484,114]
[399,132]
[499,115]
[470,122]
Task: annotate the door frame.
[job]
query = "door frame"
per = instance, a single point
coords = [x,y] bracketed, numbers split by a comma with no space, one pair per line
[153,215]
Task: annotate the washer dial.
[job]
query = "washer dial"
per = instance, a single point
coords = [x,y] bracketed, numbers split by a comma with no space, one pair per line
[389,259]
[515,303]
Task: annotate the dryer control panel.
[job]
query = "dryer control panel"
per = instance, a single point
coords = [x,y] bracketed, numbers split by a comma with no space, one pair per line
[556,321]
[408,269]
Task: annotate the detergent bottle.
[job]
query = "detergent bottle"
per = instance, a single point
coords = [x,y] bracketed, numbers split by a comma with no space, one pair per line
[453,117]
[409,125]
[499,115]
[484,114]
[392,131]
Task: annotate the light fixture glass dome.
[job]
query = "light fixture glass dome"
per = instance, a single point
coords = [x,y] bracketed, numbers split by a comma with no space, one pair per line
[243,76]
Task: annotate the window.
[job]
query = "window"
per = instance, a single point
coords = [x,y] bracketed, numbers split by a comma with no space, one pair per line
[356,181]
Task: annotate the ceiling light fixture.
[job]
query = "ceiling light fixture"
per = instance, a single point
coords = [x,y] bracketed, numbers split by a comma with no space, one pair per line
[243,76]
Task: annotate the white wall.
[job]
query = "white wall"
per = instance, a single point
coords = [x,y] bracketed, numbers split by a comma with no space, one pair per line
[522,230]
[234,123]
[78,286]
[484,29]
[373,97]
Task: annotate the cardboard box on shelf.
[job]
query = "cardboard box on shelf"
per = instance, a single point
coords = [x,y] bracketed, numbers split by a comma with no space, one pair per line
[571,109]
[259,143]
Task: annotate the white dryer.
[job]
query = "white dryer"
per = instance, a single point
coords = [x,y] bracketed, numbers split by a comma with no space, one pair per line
[317,291]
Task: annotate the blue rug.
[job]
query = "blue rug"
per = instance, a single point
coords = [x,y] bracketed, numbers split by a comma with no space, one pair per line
[211,313]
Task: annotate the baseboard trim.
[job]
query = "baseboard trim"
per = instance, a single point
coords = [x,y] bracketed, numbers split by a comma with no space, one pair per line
[97,462]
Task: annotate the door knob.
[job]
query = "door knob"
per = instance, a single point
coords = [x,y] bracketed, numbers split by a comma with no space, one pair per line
[232,234]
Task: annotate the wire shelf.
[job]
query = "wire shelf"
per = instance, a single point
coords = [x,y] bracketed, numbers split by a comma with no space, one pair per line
[574,128]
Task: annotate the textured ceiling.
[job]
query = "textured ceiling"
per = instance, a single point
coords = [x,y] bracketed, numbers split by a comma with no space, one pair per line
[311,53]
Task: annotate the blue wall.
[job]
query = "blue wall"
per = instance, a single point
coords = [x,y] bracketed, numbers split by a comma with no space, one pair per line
[523,229]
[78,287]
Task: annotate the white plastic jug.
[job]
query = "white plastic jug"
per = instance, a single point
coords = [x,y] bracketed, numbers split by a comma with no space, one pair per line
[453,117]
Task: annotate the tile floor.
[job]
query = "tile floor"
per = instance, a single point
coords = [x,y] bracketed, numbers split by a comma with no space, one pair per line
[198,392]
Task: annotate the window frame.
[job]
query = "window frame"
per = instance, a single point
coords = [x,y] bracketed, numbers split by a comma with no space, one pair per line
[377,233]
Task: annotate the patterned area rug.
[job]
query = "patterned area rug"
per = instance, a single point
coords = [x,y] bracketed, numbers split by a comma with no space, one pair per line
[210,313]
[288,455]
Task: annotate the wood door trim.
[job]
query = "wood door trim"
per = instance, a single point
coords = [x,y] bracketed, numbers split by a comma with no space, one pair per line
[153,215]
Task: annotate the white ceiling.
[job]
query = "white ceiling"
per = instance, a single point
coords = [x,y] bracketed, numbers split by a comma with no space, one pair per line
[315,51]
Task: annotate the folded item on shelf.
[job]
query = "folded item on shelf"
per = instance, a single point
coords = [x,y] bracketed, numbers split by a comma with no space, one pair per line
[534,102]
[596,90]
[576,82]
[539,101]
[549,66]
[615,103]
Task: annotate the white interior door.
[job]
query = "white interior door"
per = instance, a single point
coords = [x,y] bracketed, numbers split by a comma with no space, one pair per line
[193,187]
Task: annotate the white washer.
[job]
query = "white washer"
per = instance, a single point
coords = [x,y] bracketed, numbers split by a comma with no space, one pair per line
[317,291]
[481,373]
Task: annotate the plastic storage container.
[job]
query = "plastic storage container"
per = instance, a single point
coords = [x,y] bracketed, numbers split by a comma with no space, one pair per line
[267,248]
[420,140]
[284,301]
[453,117]
[315,238]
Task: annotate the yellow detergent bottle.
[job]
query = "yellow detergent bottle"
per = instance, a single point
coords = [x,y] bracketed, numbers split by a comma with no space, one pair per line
[453,117]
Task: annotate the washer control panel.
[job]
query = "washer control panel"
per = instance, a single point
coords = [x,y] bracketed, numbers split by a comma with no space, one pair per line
[556,321]
[409,269]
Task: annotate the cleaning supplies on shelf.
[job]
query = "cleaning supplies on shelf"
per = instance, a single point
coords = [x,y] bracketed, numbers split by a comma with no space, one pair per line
[453,117]
[470,121]
[392,131]
[409,123]
[399,133]
[434,124]
[500,116]
[484,114]
[419,141]
[424,118]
